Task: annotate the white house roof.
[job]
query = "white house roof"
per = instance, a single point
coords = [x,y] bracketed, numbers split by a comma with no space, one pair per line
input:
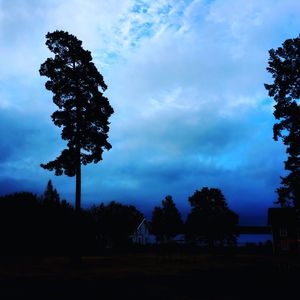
[144,220]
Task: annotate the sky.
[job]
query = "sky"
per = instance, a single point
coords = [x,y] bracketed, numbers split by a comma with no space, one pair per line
[186,81]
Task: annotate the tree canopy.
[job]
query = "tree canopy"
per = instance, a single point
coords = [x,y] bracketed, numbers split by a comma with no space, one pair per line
[115,222]
[284,66]
[210,219]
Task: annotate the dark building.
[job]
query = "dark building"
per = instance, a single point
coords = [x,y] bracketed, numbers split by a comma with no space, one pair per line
[285,230]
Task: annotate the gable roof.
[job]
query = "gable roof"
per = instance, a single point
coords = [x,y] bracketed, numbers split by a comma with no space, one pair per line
[143,221]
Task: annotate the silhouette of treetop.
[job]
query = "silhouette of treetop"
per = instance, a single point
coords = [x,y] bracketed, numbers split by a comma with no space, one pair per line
[209,199]
[78,92]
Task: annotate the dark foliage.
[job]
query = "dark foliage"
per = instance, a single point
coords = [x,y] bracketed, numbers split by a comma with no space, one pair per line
[83,111]
[26,225]
[210,220]
[31,225]
[284,65]
[115,223]
[166,221]
[19,222]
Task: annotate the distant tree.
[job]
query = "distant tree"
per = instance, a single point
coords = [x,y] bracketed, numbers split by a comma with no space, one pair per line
[50,196]
[166,220]
[210,219]
[83,110]
[115,223]
[284,65]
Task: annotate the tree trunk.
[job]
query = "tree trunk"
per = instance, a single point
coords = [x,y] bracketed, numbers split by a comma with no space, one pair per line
[76,256]
[78,183]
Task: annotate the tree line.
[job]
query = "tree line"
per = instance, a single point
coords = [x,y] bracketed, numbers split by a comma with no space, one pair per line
[46,224]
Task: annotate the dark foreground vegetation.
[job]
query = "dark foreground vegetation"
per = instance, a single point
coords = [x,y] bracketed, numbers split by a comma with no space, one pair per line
[151,275]
[31,225]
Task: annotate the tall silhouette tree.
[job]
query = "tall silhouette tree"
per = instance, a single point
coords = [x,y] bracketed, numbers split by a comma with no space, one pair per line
[284,66]
[210,219]
[166,220]
[83,110]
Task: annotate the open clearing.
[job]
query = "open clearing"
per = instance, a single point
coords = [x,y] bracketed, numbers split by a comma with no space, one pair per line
[149,276]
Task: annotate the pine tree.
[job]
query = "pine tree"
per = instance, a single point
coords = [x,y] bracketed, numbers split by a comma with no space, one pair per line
[50,196]
[83,110]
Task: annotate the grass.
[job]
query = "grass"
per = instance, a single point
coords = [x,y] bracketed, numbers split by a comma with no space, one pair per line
[150,276]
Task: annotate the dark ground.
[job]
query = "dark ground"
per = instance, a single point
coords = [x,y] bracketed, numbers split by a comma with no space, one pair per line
[149,276]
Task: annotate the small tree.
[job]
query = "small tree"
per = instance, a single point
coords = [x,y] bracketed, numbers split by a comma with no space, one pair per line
[284,65]
[210,219]
[166,220]
[83,110]
[50,196]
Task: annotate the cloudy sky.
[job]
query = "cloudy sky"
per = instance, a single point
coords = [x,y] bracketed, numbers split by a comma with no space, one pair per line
[185,78]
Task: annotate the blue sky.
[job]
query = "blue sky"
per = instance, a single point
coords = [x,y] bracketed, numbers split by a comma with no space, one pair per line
[186,81]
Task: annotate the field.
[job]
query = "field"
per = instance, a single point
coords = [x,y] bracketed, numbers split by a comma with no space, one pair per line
[151,276]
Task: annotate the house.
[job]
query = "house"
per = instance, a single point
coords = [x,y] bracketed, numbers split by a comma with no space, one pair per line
[285,229]
[142,235]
